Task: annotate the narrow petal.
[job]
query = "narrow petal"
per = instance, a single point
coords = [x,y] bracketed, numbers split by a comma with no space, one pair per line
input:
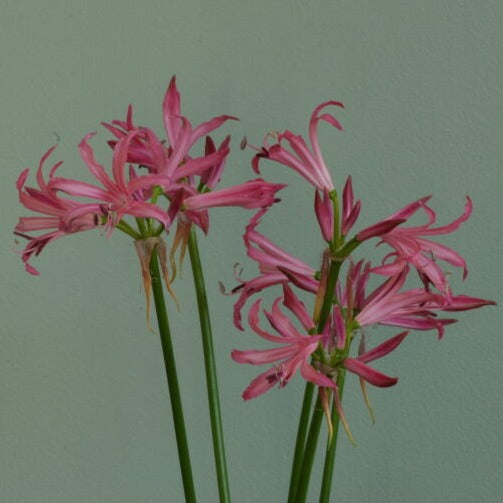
[180,148]
[323,209]
[297,307]
[201,164]
[312,375]
[281,323]
[253,194]
[253,321]
[350,220]
[77,188]
[97,170]
[206,127]
[28,224]
[171,111]
[347,197]
[148,210]
[453,226]
[370,375]
[465,302]
[252,287]
[407,211]
[378,229]
[262,356]
[383,349]
[262,383]
[340,328]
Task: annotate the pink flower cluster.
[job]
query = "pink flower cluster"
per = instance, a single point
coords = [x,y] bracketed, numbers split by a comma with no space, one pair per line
[159,182]
[144,167]
[319,345]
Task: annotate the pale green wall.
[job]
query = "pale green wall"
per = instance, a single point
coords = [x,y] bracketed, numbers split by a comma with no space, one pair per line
[84,414]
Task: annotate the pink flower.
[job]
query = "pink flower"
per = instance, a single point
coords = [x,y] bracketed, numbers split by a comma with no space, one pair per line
[414,308]
[294,352]
[308,163]
[411,247]
[173,159]
[61,216]
[276,267]
[317,357]
[173,121]
[119,196]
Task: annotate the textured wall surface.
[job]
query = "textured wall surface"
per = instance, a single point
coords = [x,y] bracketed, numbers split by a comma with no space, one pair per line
[84,408]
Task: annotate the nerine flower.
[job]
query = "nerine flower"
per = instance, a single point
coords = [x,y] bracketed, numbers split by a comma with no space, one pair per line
[61,216]
[308,163]
[276,266]
[293,354]
[415,308]
[411,245]
[172,159]
[388,304]
[119,195]
[319,357]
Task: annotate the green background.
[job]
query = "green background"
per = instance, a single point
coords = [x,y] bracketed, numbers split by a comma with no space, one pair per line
[84,411]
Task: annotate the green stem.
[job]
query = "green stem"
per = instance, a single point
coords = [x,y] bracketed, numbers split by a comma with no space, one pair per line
[300,442]
[174,391]
[311,443]
[316,419]
[125,227]
[211,371]
[333,274]
[328,469]
[142,226]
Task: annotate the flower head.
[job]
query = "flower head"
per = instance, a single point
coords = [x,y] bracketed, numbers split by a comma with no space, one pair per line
[308,163]
[119,195]
[60,216]
[412,247]
[276,266]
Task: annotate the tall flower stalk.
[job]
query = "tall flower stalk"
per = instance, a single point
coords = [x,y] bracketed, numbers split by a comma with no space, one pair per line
[210,369]
[172,379]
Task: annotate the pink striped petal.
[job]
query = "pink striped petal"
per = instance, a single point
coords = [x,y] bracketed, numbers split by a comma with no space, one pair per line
[171,111]
[206,127]
[347,223]
[407,211]
[312,375]
[297,307]
[378,229]
[253,194]
[370,375]
[281,323]
[76,188]
[339,327]
[262,356]
[323,209]
[97,170]
[252,287]
[465,302]
[383,349]
[262,383]
[27,224]
[201,164]
[253,321]
[453,226]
